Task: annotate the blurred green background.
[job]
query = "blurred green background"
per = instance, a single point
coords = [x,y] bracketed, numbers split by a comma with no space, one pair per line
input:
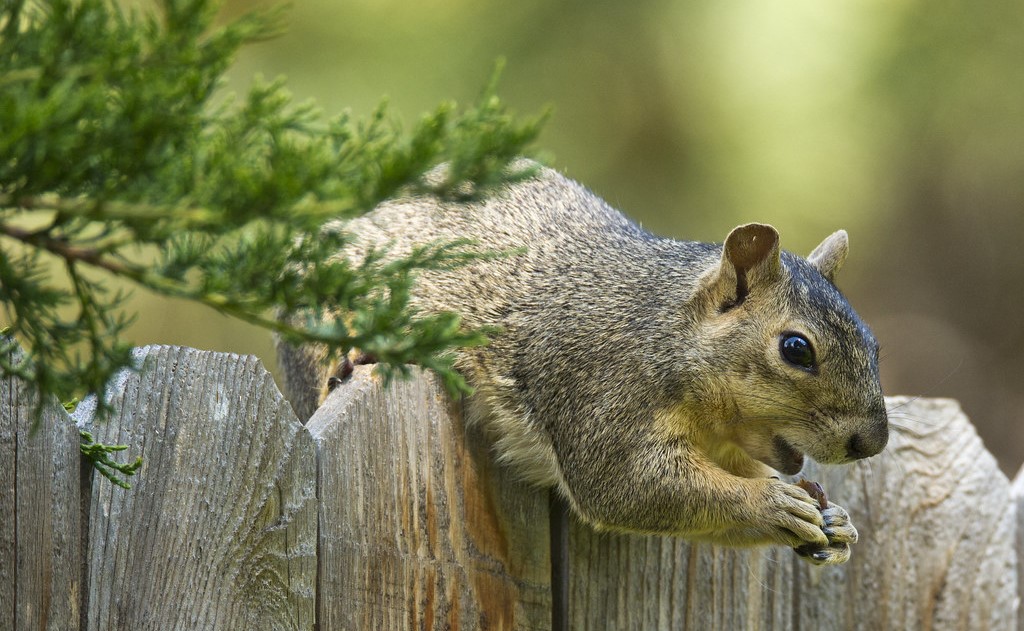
[901,121]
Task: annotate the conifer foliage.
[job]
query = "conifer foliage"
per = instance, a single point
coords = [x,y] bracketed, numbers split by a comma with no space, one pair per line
[119,159]
[109,136]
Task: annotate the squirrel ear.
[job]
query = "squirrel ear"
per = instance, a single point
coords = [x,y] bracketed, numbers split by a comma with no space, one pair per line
[750,245]
[750,250]
[828,257]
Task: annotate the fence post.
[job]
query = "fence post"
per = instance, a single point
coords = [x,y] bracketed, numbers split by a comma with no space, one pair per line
[418,527]
[40,536]
[218,530]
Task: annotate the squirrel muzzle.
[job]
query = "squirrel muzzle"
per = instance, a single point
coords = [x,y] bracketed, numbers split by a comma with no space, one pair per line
[868,442]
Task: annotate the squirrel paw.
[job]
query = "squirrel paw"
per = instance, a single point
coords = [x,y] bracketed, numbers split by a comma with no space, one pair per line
[341,371]
[841,534]
[793,516]
[364,359]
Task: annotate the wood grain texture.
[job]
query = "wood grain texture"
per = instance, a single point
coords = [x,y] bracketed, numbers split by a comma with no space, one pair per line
[1017,493]
[936,551]
[39,513]
[219,529]
[937,531]
[418,528]
[649,582]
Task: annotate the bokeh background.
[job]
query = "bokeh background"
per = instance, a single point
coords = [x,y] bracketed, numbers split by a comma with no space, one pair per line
[901,121]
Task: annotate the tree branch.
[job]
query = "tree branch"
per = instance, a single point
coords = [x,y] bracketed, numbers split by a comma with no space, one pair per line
[95,258]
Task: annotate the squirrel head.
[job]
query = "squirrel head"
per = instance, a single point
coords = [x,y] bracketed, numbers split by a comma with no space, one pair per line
[791,368]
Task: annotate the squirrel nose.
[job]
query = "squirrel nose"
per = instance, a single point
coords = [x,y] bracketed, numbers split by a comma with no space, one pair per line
[869,443]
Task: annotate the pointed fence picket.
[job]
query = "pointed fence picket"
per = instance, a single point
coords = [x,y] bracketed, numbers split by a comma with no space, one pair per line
[385,511]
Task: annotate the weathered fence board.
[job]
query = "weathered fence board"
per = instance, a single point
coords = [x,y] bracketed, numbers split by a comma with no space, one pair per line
[387,512]
[418,529]
[1017,492]
[937,532]
[219,529]
[647,582]
[936,551]
[40,559]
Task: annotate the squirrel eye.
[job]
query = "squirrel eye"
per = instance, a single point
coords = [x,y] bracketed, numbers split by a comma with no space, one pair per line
[797,350]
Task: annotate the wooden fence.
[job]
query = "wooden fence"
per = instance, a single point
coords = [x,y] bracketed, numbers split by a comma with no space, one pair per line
[386,512]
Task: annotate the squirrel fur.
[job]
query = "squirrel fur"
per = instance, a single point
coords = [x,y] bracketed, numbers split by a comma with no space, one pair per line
[643,377]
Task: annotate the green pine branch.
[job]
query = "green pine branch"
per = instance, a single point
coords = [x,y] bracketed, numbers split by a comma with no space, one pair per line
[116,162]
[99,455]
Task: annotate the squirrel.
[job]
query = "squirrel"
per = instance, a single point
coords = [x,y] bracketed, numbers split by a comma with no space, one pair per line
[660,386]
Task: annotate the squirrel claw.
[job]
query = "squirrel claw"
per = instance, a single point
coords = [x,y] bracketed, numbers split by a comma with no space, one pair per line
[837,526]
[840,533]
[833,554]
[343,372]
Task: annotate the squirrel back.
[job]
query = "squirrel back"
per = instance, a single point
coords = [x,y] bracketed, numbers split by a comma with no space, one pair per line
[648,379]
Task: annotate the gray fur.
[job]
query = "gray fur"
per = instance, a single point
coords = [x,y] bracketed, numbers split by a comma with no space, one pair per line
[639,375]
